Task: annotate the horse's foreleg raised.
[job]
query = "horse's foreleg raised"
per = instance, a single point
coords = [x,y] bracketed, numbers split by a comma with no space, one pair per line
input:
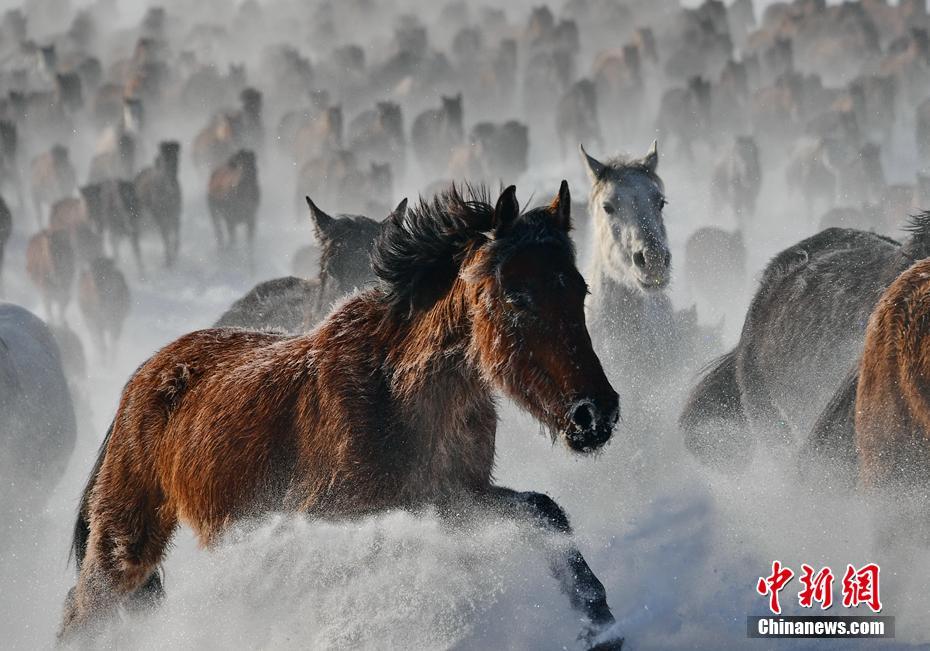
[584,590]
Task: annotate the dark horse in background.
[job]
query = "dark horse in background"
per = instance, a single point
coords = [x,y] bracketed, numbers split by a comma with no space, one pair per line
[294,304]
[388,403]
[37,424]
[800,343]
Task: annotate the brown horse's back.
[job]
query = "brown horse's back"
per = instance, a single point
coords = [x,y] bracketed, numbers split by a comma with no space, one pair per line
[893,395]
[210,463]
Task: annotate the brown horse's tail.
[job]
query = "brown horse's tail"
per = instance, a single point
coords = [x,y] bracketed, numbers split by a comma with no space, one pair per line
[82,524]
[713,421]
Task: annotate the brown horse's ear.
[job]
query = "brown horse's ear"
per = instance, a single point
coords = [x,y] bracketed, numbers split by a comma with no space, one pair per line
[321,221]
[561,207]
[595,167]
[507,210]
[651,159]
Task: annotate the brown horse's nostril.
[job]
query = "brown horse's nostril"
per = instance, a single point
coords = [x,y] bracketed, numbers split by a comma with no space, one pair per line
[583,416]
[639,259]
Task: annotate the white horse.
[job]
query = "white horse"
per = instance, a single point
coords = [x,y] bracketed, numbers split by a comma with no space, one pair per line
[644,343]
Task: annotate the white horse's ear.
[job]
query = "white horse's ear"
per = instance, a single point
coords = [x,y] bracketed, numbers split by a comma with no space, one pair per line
[651,159]
[595,167]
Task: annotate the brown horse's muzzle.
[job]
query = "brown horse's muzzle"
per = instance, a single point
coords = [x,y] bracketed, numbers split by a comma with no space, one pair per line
[591,422]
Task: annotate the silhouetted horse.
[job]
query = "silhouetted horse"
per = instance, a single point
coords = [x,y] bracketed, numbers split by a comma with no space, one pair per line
[802,335]
[53,178]
[715,266]
[233,196]
[113,208]
[737,180]
[37,428]
[296,304]
[389,403]
[50,265]
[104,299]
[158,192]
[436,132]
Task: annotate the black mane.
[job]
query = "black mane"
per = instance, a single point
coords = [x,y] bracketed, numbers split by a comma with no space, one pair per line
[418,256]
[425,247]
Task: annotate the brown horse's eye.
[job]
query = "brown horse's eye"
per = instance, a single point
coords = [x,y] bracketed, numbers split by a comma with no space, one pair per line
[609,209]
[520,300]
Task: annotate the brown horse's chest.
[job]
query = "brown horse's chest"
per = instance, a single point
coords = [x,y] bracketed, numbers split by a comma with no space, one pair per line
[454,441]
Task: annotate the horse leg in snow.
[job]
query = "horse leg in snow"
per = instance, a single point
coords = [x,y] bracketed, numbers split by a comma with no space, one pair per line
[47,307]
[137,253]
[762,415]
[713,420]
[170,238]
[250,237]
[218,230]
[127,540]
[175,241]
[165,231]
[231,232]
[831,446]
[37,207]
[584,590]
[148,596]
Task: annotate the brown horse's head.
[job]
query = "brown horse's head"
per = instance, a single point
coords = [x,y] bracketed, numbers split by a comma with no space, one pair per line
[527,304]
[504,285]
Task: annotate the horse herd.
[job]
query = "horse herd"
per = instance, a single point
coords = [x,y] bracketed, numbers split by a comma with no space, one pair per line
[387,402]
[368,380]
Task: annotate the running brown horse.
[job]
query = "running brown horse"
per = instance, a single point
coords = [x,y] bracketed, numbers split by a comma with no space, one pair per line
[388,403]
[892,412]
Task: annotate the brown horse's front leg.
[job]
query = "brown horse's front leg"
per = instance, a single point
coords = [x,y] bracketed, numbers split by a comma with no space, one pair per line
[585,591]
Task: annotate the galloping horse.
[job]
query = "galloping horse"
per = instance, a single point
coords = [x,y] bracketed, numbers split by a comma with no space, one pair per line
[643,341]
[295,305]
[790,382]
[388,403]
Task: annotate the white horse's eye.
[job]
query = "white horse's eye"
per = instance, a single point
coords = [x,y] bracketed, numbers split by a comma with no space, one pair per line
[609,209]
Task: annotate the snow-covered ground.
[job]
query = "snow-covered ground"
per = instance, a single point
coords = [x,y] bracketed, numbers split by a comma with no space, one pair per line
[678,547]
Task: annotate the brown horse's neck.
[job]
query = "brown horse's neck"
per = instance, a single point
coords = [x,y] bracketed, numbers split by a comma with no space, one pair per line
[434,374]
[433,342]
